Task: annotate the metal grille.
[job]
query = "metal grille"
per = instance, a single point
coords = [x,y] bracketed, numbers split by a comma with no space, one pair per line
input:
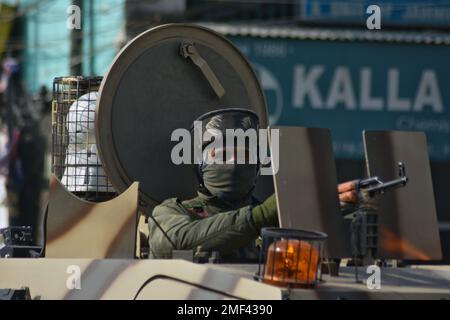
[75,159]
[290,258]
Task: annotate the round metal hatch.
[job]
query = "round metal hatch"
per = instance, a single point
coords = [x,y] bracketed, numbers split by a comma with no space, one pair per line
[161,81]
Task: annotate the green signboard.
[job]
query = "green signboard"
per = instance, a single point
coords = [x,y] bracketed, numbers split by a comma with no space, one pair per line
[354,86]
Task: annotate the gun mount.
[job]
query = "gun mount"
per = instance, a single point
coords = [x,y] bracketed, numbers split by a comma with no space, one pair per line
[364,225]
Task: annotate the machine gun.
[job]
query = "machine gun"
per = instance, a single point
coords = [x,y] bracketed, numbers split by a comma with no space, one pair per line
[354,191]
[374,186]
[360,205]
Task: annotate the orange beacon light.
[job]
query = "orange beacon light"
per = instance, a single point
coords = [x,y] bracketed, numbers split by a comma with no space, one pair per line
[291,258]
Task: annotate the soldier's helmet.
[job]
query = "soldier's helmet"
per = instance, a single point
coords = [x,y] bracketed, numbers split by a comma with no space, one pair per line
[231,128]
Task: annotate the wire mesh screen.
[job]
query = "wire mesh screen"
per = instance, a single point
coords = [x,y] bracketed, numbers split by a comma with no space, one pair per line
[290,258]
[75,159]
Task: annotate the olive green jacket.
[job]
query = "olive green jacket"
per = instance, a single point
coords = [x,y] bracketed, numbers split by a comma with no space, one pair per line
[203,221]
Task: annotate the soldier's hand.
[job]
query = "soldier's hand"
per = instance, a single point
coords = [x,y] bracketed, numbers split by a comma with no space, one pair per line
[266,214]
[348,192]
[348,196]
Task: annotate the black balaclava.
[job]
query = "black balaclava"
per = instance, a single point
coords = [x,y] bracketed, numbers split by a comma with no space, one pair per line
[230,182]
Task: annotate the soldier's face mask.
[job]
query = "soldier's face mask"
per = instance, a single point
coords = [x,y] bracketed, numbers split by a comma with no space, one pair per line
[230,182]
[225,177]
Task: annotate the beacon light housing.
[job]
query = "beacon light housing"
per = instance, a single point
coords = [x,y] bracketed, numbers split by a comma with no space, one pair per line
[291,258]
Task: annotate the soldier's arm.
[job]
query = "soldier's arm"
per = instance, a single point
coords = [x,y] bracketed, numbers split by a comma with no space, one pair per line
[222,232]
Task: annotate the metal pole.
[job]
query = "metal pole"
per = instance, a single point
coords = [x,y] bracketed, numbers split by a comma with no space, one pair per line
[76,45]
[91,38]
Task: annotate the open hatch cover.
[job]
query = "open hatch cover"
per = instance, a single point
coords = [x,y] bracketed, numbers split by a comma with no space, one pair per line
[161,81]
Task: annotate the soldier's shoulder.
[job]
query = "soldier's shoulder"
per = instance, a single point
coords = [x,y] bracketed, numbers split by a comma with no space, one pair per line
[169,202]
[192,203]
[169,205]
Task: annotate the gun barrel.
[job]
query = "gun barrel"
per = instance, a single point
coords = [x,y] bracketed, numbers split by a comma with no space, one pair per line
[368,182]
[382,188]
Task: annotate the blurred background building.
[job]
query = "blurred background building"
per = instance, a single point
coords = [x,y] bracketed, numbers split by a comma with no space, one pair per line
[319,64]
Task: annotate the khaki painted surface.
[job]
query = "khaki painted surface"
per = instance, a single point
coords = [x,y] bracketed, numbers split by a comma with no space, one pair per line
[80,229]
[412,283]
[142,234]
[123,279]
